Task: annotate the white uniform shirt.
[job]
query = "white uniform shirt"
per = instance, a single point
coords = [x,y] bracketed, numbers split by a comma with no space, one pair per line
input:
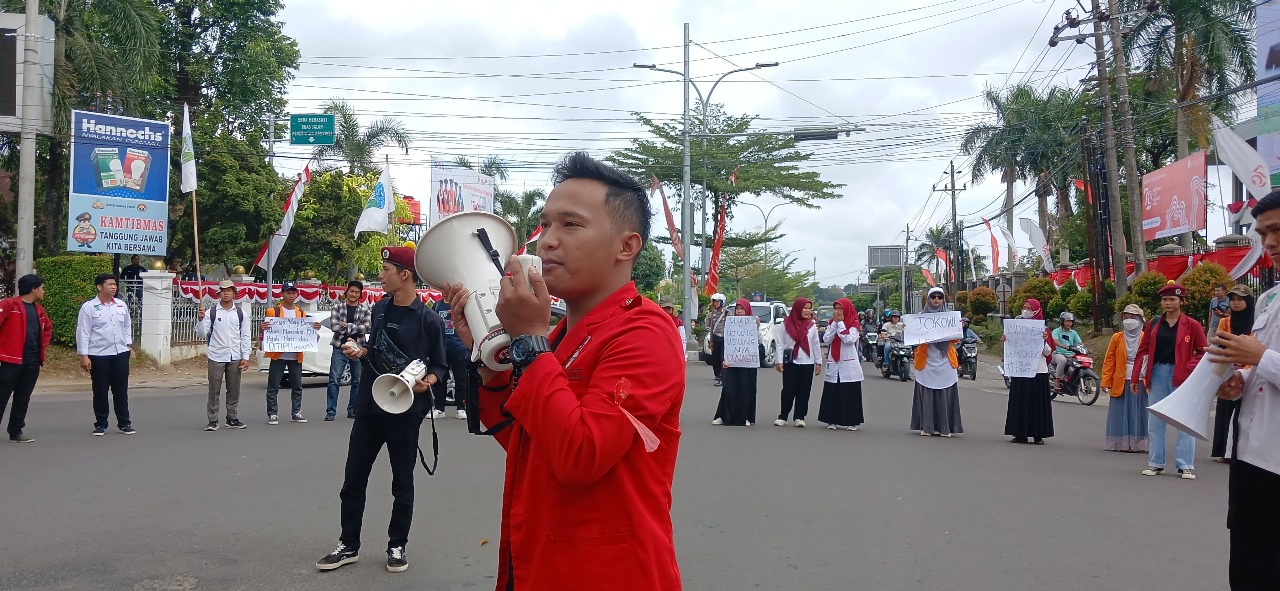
[228,342]
[103,329]
[1260,405]
[938,374]
[849,367]
[798,356]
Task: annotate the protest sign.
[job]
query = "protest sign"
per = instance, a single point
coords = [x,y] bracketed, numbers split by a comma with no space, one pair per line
[741,342]
[1023,347]
[290,335]
[932,328]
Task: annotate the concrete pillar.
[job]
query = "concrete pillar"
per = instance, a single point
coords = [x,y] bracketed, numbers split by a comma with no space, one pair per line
[246,305]
[157,315]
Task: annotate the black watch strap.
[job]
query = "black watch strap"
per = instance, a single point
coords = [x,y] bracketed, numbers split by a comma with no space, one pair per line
[525,348]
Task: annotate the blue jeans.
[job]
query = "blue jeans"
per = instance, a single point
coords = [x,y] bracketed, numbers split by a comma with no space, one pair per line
[337,363]
[1184,450]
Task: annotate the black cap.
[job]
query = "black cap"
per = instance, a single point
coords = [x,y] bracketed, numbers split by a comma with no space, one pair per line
[289,286]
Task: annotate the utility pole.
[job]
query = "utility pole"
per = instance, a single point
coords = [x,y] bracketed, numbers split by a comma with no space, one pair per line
[686,204]
[957,250]
[906,246]
[1118,260]
[1095,254]
[31,89]
[1132,180]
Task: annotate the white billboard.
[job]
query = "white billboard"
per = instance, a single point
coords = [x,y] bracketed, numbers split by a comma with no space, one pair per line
[1268,42]
[455,189]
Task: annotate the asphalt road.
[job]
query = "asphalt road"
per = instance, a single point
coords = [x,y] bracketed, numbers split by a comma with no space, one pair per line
[762,507]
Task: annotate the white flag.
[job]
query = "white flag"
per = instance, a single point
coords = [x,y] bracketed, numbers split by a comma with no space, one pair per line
[1037,241]
[271,250]
[1243,161]
[188,153]
[376,216]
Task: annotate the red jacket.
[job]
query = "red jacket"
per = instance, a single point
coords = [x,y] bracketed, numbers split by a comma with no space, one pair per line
[1190,344]
[13,329]
[584,506]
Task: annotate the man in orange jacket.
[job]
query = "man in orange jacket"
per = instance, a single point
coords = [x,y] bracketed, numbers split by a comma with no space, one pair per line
[589,417]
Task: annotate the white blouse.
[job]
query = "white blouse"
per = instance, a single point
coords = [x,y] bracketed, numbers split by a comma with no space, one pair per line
[849,367]
[798,356]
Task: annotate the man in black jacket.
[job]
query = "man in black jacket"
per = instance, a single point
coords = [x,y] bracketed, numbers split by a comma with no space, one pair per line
[403,329]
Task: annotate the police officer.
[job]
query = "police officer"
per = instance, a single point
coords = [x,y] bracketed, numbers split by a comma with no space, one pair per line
[403,329]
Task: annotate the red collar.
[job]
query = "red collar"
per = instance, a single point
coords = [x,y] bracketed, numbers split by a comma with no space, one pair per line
[625,298]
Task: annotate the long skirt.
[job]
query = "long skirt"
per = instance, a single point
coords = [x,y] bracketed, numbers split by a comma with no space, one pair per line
[1222,427]
[1127,422]
[841,404]
[738,396]
[1030,414]
[936,411]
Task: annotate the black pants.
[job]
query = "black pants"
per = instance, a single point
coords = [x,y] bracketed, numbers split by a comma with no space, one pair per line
[368,434]
[797,382]
[717,355]
[275,373]
[110,372]
[18,380]
[459,360]
[1254,518]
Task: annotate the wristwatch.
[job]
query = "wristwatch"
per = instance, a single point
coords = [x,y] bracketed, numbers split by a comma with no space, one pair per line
[525,348]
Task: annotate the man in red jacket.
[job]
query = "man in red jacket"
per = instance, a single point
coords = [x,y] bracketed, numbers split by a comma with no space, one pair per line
[589,417]
[1172,345]
[25,331]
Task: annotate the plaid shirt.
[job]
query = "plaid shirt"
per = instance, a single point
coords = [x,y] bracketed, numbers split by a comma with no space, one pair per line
[341,330]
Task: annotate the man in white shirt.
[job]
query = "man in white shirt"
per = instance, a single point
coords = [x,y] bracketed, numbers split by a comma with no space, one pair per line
[226,329]
[104,342]
[1253,513]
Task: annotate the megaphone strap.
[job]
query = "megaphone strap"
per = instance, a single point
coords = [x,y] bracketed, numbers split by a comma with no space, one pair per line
[494,256]
[435,449]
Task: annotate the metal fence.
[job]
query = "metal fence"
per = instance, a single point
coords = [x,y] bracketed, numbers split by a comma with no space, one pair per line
[183,320]
[131,292]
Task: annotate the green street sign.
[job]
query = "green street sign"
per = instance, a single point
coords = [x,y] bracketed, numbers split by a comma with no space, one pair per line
[311,130]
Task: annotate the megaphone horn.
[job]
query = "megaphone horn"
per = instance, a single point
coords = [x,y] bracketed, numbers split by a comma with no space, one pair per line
[469,248]
[1187,407]
[394,392]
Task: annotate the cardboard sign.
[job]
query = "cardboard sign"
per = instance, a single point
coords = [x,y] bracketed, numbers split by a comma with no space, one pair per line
[1023,347]
[741,341]
[290,335]
[932,328]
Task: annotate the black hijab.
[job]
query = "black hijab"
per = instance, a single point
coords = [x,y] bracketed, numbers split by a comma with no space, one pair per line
[1242,321]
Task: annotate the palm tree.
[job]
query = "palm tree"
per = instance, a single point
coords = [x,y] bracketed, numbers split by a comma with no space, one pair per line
[979,262]
[1000,147]
[358,146]
[1050,154]
[491,166]
[1198,47]
[935,239]
[521,211]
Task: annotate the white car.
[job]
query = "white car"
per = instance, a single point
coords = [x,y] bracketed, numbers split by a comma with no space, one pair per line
[314,363]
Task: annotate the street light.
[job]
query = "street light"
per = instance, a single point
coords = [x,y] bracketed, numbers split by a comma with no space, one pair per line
[766,215]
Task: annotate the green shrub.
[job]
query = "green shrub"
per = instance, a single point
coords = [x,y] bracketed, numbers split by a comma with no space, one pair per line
[1040,288]
[1068,290]
[68,283]
[983,301]
[1199,283]
[1143,293]
[1081,304]
[1055,307]
[962,302]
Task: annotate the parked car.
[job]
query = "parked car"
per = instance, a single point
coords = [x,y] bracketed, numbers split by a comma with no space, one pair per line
[823,316]
[314,363]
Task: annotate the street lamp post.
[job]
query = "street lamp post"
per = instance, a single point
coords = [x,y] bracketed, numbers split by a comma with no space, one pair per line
[766,215]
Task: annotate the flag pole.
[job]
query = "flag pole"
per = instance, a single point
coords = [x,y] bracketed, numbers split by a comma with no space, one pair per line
[195,231]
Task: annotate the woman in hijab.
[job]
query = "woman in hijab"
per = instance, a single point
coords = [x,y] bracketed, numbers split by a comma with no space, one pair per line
[1239,320]
[800,352]
[737,406]
[841,405]
[1029,417]
[936,408]
[1127,412]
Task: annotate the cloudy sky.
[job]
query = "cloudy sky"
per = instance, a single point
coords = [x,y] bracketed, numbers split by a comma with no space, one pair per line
[530,81]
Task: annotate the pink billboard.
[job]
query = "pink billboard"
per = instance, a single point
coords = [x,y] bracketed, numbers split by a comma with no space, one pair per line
[1173,198]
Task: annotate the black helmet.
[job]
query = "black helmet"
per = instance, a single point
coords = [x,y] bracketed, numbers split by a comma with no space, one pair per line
[965,320]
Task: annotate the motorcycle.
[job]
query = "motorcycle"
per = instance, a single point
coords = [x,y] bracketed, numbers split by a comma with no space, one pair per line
[1078,379]
[871,347]
[901,358]
[968,351]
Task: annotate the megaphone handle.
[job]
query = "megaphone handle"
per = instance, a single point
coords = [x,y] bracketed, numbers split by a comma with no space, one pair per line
[483,235]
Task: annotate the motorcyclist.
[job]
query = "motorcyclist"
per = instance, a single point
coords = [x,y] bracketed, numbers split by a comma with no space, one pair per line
[968,335]
[1064,337]
[891,330]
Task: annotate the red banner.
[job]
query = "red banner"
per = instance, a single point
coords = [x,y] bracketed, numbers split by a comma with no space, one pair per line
[942,256]
[929,277]
[1173,198]
[713,269]
[671,221]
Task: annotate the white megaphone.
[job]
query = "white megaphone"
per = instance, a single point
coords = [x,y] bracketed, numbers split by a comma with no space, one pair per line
[1187,407]
[394,392]
[472,248]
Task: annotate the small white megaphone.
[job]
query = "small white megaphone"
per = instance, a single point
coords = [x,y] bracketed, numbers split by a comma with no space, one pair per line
[394,392]
[472,248]
[1187,408]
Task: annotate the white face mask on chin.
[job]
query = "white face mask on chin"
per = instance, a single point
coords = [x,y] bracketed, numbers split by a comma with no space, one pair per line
[1028,313]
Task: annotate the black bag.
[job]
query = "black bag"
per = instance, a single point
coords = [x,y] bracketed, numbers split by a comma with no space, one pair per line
[786,356]
[387,357]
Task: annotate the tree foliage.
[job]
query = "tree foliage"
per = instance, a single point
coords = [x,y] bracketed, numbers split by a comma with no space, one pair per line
[68,283]
[1143,292]
[983,301]
[649,269]
[357,145]
[1040,288]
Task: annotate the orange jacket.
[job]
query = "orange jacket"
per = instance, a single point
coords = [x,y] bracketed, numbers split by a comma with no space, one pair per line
[584,506]
[922,355]
[1113,365]
[297,313]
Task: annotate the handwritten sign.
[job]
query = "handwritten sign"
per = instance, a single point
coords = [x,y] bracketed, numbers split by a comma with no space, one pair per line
[741,341]
[1023,347]
[290,335]
[932,328]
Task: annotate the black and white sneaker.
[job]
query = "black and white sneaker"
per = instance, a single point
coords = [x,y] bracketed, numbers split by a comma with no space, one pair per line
[212,426]
[99,431]
[341,556]
[21,437]
[127,430]
[297,418]
[396,562]
[236,424]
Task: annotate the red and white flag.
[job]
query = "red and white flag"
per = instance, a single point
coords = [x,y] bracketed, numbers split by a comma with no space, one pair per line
[942,256]
[537,233]
[733,176]
[275,243]
[928,277]
[713,269]
[654,185]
